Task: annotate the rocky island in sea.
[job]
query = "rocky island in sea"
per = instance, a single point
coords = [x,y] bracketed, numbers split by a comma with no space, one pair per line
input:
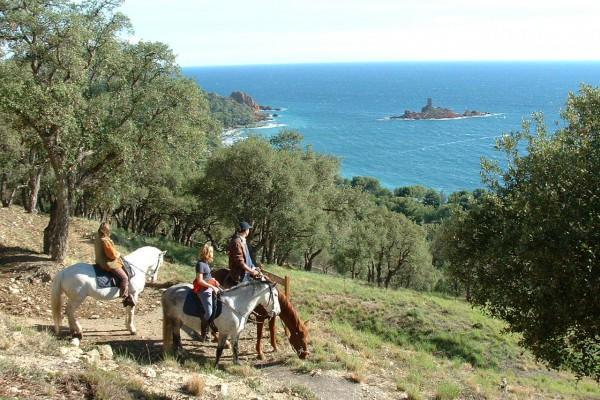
[431,112]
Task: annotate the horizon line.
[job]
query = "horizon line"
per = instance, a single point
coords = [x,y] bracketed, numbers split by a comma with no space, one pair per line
[520,61]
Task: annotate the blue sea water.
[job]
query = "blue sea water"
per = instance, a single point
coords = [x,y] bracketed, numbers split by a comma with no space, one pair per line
[341,108]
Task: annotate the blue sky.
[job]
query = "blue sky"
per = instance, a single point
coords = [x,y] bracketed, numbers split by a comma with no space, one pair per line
[235,32]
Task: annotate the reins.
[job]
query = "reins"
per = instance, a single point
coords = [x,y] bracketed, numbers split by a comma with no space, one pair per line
[237,312]
[147,273]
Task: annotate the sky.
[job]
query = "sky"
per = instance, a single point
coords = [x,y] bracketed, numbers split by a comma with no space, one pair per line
[240,32]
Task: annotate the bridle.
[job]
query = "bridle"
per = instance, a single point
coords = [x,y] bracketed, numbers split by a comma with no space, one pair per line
[151,271]
[271,300]
[299,352]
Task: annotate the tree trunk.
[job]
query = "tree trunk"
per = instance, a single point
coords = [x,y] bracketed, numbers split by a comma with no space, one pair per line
[35,178]
[7,195]
[309,259]
[57,232]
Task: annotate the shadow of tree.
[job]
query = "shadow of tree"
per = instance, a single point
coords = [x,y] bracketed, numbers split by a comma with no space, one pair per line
[13,258]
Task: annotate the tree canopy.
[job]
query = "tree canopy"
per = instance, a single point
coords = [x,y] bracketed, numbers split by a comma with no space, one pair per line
[529,250]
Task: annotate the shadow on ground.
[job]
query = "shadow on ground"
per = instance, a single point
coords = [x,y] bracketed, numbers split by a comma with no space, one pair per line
[19,259]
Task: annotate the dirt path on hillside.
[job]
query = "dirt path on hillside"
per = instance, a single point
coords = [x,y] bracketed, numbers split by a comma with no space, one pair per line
[25,279]
[146,348]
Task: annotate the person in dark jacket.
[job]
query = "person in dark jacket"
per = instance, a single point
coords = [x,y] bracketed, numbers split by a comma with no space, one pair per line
[241,266]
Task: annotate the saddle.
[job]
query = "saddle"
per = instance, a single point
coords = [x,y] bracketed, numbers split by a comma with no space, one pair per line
[105,279]
[193,306]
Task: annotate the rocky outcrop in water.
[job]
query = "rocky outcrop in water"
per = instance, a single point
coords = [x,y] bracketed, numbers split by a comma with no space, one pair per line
[247,100]
[431,112]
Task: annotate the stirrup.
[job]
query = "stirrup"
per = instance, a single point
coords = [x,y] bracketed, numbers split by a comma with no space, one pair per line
[128,301]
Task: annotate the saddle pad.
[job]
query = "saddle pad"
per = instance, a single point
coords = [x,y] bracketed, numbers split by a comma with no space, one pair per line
[105,279]
[193,306]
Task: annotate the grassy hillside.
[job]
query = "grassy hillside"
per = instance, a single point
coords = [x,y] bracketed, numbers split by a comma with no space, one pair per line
[426,345]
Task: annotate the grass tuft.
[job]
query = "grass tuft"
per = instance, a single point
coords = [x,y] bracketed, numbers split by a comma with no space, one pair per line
[447,391]
[241,370]
[194,385]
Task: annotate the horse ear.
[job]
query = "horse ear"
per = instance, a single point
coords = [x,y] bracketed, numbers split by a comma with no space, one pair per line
[163,252]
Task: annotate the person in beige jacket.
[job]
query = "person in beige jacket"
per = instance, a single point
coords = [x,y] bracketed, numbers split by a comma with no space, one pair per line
[109,259]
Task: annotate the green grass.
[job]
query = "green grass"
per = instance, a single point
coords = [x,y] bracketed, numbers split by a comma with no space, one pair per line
[438,346]
[447,391]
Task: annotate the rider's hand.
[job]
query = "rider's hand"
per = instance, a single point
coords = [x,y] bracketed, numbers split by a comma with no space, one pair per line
[254,272]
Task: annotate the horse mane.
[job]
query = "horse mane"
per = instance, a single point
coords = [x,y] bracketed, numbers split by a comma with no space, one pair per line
[290,316]
[251,282]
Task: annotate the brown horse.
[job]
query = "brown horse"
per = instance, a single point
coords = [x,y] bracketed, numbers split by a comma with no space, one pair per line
[298,330]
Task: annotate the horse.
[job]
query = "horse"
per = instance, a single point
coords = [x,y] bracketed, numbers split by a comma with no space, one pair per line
[237,304]
[298,329]
[78,282]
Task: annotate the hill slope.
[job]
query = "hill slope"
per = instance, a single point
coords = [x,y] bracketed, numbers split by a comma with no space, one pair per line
[396,344]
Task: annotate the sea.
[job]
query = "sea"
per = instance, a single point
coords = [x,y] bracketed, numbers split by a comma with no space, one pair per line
[344,109]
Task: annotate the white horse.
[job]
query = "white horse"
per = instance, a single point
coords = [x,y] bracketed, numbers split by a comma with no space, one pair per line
[238,303]
[78,282]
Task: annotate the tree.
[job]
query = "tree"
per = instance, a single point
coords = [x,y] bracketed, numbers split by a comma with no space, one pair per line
[283,193]
[532,245]
[98,104]
[287,139]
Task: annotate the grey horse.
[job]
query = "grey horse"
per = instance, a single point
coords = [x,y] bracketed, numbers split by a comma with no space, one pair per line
[238,303]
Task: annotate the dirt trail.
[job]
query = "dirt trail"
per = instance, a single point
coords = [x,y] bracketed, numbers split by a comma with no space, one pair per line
[146,348]
[25,276]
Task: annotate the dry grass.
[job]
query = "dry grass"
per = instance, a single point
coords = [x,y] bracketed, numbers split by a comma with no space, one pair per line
[242,370]
[357,377]
[195,385]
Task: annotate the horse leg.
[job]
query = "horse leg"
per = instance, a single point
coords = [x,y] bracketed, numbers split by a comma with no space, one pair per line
[129,324]
[74,326]
[259,334]
[235,349]
[273,333]
[177,324]
[167,334]
[220,347]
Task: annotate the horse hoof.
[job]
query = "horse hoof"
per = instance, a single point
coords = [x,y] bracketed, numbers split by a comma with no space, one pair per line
[260,356]
[132,333]
[75,342]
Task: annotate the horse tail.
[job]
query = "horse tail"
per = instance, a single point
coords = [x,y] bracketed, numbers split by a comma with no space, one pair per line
[167,328]
[56,301]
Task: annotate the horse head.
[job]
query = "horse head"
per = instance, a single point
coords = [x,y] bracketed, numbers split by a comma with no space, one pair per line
[161,257]
[272,305]
[299,340]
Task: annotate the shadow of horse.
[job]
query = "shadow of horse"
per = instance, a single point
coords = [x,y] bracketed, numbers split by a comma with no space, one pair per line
[146,351]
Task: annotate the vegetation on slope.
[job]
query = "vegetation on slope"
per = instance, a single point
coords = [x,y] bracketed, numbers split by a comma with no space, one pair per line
[426,344]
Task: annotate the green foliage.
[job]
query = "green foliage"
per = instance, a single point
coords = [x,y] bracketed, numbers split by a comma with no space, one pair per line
[287,139]
[282,192]
[430,341]
[106,111]
[530,249]
[229,112]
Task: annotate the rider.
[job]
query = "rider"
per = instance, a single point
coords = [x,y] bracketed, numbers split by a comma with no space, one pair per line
[109,259]
[241,266]
[205,284]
